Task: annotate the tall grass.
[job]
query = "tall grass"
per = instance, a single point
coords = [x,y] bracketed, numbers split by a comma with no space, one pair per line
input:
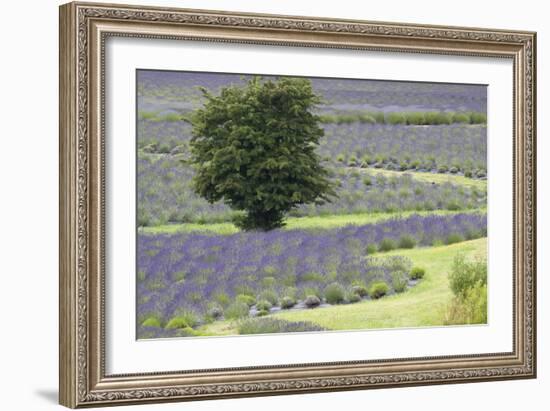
[468,281]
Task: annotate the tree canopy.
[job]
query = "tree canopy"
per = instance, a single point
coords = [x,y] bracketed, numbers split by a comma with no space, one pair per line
[254,148]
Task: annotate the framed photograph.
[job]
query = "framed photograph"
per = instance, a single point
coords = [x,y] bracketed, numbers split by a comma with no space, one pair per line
[260,205]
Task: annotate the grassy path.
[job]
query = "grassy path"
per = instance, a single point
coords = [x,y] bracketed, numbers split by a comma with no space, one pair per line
[427,177]
[419,306]
[293,223]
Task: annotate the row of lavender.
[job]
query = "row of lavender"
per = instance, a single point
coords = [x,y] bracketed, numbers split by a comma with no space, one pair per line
[426,148]
[165,194]
[429,148]
[189,275]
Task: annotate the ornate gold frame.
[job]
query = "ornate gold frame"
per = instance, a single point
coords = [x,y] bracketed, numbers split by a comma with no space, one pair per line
[83,30]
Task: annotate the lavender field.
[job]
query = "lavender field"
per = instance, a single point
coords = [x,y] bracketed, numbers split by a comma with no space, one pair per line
[164,185]
[172,91]
[389,147]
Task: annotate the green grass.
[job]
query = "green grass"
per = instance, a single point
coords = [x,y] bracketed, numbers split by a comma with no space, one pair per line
[407,117]
[155,116]
[293,223]
[420,306]
[430,177]
[218,228]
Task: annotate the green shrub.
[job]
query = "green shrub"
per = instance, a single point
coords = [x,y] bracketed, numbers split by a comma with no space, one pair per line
[352,161]
[164,148]
[461,118]
[415,118]
[396,263]
[396,118]
[247,299]
[222,299]
[215,311]
[453,205]
[269,295]
[378,289]
[379,116]
[367,180]
[471,309]
[306,291]
[262,313]
[236,310]
[288,302]
[417,273]
[245,289]
[465,275]
[189,317]
[454,238]
[371,249]
[407,241]
[352,297]
[472,234]
[438,118]
[387,244]
[360,290]
[399,281]
[367,118]
[478,118]
[263,305]
[312,301]
[366,160]
[334,293]
[176,322]
[468,281]
[151,322]
[291,292]
[268,282]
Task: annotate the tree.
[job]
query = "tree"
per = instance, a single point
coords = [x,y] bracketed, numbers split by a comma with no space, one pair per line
[253,147]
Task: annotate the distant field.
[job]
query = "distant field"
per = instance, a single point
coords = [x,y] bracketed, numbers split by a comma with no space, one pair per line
[420,306]
[165,92]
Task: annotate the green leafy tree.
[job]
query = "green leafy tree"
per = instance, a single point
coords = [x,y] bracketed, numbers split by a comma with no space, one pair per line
[254,148]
